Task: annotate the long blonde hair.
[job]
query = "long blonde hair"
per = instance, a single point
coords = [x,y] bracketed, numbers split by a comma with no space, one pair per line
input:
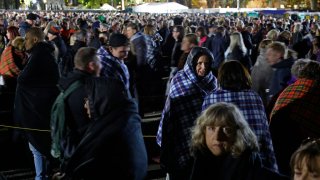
[237,40]
[226,114]
[273,34]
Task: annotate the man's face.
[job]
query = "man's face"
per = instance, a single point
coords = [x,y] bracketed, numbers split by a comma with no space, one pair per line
[273,56]
[120,52]
[130,32]
[31,22]
[212,30]
[175,34]
[29,42]
[117,27]
[186,45]
[96,66]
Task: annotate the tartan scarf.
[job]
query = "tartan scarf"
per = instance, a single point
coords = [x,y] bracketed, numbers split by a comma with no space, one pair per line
[302,100]
[7,65]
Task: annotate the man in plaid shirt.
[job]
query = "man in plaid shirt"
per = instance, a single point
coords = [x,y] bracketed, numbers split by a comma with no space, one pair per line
[112,59]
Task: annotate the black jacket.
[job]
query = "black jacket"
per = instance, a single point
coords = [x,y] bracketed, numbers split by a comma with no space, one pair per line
[245,167]
[76,116]
[113,145]
[281,76]
[219,46]
[176,54]
[35,94]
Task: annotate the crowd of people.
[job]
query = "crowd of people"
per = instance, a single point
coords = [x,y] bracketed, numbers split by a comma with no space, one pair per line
[242,93]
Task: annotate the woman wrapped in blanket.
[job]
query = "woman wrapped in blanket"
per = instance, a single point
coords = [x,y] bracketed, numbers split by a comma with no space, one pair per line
[183,105]
[13,59]
[225,147]
[235,87]
[297,111]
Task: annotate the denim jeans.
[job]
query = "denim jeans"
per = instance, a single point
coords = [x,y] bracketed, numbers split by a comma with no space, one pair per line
[40,163]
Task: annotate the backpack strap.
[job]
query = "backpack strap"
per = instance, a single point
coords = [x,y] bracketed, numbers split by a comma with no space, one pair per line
[75,85]
[57,122]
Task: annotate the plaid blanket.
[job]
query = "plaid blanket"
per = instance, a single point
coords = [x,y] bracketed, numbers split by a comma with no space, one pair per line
[302,100]
[7,66]
[251,106]
[113,67]
[183,105]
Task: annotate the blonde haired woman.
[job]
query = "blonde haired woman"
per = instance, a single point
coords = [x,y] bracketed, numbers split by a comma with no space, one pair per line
[237,50]
[273,34]
[225,147]
[297,35]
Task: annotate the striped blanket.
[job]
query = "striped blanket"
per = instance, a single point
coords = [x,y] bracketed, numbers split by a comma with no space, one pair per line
[7,65]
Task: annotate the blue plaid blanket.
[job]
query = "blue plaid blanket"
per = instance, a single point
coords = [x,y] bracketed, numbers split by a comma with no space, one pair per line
[250,104]
[183,105]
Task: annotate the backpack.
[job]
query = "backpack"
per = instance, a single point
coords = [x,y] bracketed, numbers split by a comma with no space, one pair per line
[57,123]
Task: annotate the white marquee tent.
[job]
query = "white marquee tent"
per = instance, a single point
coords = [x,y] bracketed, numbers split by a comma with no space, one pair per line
[107,7]
[167,7]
